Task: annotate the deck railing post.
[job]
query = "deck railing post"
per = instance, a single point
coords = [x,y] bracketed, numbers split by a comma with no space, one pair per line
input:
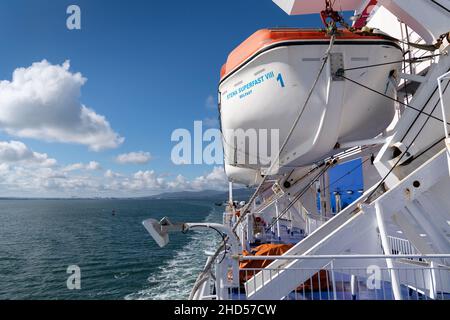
[387,251]
[278,220]
[354,286]
[333,280]
[218,281]
[433,283]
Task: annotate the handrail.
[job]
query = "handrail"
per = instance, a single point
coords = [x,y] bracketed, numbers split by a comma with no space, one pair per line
[362,256]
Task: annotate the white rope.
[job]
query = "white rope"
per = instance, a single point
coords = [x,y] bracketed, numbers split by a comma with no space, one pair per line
[245,211]
[291,131]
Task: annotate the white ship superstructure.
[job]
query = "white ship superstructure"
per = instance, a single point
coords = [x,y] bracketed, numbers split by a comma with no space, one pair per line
[377,91]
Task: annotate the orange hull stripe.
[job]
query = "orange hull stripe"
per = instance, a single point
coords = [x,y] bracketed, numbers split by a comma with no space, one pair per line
[266,37]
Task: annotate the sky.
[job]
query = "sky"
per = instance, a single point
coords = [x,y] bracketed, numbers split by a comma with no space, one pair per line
[90,112]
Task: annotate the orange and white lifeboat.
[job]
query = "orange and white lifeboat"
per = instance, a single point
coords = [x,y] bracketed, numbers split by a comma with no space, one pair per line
[266,80]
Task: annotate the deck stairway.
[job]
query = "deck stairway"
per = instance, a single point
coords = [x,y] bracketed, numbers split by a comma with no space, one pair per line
[357,227]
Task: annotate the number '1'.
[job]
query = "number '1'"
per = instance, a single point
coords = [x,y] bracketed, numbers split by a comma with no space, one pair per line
[280,79]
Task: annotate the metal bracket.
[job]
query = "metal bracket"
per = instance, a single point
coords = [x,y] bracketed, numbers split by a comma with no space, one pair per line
[336,66]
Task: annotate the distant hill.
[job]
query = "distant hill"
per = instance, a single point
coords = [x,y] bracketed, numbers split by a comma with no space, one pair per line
[238,194]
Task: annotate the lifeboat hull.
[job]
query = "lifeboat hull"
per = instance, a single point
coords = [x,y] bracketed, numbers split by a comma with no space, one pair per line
[267,79]
[245,176]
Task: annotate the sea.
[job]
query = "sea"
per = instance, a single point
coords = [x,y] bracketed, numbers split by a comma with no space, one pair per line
[41,241]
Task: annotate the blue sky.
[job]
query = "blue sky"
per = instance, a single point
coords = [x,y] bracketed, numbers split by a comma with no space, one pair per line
[150,68]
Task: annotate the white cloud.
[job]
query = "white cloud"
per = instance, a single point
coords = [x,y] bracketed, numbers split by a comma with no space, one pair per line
[42,102]
[145,180]
[211,122]
[24,172]
[74,167]
[111,174]
[215,180]
[16,151]
[4,169]
[180,183]
[211,103]
[140,157]
[92,165]
[148,182]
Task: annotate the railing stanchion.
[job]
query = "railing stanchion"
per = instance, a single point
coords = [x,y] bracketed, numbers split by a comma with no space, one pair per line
[353,286]
[333,280]
[433,289]
[387,251]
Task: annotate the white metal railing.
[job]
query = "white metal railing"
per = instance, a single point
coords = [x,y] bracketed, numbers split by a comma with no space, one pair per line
[346,277]
[362,277]
[409,36]
[401,246]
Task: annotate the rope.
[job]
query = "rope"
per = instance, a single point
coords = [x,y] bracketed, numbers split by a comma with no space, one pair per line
[299,195]
[412,60]
[340,74]
[331,28]
[390,98]
[347,174]
[332,31]
[425,47]
[253,197]
[440,5]
[429,116]
[291,131]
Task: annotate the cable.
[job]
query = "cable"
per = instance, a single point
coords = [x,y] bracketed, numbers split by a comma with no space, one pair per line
[426,150]
[253,197]
[345,175]
[412,60]
[222,235]
[440,5]
[299,195]
[403,154]
[291,131]
[388,97]
[424,47]
[424,106]
[328,164]
[324,162]
[339,73]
